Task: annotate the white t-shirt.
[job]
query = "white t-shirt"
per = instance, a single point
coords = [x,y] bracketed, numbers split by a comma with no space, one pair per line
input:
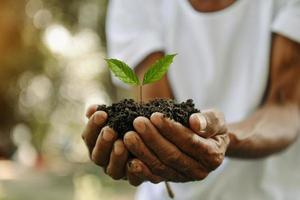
[222,62]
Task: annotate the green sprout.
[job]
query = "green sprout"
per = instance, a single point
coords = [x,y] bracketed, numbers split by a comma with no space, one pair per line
[156,71]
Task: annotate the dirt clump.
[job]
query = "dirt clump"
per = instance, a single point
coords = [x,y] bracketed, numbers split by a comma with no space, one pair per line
[122,114]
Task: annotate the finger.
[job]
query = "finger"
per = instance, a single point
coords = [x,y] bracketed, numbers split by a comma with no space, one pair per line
[92,129]
[139,169]
[209,152]
[208,123]
[216,158]
[222,141]
[91,110]
[198,123]
[117,162]
[184,138]
[137,147]
[133,179]
[104,145]
[167,152]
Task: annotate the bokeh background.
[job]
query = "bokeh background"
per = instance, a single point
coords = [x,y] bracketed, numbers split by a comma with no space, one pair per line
[51,68]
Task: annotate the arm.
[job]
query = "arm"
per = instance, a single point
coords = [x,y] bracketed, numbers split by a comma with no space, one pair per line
[182,154]
[276,124]
[151,91]
[272,128]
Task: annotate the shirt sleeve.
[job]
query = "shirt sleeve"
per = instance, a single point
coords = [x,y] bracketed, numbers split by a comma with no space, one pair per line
[287,20]
[133,29]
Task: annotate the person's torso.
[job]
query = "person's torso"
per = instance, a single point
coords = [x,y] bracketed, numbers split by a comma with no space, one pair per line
[223,56]
[223,62]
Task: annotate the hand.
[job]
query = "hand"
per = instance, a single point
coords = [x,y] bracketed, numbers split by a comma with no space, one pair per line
[165,150]
[104,148]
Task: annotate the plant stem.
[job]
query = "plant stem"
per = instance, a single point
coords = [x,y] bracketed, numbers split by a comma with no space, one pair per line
[169,190]
[141,93]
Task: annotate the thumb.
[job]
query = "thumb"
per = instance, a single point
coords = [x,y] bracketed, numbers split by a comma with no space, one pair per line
[208,123]
[91,110]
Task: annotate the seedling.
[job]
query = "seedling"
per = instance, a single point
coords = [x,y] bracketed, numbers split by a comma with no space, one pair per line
[127,75]
[121,70]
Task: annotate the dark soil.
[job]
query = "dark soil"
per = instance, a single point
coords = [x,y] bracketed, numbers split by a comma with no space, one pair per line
[122,114]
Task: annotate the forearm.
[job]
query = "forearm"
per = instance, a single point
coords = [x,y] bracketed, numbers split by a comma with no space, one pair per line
[269,130]
[275,125]
[159,89]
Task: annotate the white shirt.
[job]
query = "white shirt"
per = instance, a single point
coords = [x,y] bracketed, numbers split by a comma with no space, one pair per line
[222,62]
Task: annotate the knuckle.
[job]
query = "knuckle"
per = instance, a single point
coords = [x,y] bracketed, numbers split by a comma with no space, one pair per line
[158,168]
[113,175]
[118,177]
[217,116]
[217,161]
[221,125]
[222,141]
[180,179]
[209,151]
[225,139]
[155,181]
[97,161]
[108,172]
[200,175]
[134,183]
[173,158]
[193,141]
[216,121]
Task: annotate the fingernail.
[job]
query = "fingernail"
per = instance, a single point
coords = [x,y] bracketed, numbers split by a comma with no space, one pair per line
[98,118]
[90,110]
[130,139]
[202,122]
[118,148]
[107,136]
[140,125]
[157,120]
[135,167]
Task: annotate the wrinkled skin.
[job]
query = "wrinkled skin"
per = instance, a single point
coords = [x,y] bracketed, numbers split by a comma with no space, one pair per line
[164,150]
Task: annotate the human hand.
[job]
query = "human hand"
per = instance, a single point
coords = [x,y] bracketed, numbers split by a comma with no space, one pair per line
[105,149]
[165,150]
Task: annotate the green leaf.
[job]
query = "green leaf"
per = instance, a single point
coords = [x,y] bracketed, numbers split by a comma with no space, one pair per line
[158,69]
[122,71]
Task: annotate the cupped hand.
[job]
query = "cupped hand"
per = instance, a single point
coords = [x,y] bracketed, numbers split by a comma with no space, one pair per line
[105,149]
[166,150]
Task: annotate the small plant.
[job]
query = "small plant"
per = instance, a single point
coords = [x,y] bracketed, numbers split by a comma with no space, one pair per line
[127,75]
[155,73]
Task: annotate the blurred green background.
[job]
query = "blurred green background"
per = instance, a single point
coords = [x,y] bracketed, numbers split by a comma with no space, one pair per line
[51,68]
